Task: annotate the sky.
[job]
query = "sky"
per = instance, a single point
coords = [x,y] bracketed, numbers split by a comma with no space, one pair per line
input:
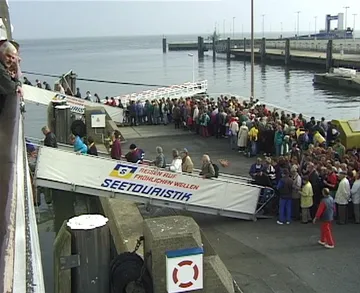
[66,19]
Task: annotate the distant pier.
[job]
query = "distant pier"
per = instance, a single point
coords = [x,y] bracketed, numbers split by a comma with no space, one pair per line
[311,52]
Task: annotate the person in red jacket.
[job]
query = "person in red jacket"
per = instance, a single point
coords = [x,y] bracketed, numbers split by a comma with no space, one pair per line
[325,213]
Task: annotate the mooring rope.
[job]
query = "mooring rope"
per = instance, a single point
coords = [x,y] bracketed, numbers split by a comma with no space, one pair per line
[95,80]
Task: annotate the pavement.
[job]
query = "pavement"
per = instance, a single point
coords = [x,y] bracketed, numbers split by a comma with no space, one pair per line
[262,256]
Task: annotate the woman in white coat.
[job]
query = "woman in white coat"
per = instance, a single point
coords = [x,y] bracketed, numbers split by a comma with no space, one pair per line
[243,137]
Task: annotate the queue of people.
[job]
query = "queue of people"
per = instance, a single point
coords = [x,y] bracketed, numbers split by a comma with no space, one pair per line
[305,161]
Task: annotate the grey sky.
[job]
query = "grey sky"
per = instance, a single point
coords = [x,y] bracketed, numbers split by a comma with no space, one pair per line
[58,19]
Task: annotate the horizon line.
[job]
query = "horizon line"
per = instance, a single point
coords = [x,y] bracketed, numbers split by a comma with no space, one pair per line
[152,35]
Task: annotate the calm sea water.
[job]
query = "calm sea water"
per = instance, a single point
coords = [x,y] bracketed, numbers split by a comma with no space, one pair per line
[141,59]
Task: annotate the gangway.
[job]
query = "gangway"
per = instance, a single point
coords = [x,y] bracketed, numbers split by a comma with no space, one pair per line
[39,142]
[44,97]
[68,171]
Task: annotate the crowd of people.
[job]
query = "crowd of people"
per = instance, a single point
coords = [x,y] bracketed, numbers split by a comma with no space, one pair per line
[304,159]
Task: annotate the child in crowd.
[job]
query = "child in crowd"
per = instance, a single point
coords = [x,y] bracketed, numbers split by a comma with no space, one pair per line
[325,213]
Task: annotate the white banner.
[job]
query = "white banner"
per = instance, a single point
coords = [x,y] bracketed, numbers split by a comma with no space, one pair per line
[44,97]
[144,181]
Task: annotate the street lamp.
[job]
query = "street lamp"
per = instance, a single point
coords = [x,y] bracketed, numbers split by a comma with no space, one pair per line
[193,66]
[298,23]
[224,28]
[252,50]
[234,27]
[354,25]
[315,18]
[281,29]
[263,25]
[346,9]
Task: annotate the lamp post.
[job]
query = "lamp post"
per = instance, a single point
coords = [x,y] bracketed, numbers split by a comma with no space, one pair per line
[354,25]
[315,32]
[281,29]
[298,24]
[252,49]
[346,9]
[224,28]
[263,25]
[193,66]
[234,27]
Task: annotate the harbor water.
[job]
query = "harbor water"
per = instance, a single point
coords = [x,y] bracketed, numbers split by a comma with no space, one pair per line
[140,60]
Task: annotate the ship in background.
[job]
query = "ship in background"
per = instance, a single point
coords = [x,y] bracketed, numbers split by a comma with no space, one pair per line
[340,32]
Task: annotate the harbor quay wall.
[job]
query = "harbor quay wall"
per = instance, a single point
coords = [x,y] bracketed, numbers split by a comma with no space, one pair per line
[293,57]
[163,234]
[348,46]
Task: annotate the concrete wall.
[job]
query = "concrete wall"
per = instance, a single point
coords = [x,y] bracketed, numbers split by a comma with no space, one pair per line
[127,225]
[125,222]
[349,46]
[99,135]
[178,232]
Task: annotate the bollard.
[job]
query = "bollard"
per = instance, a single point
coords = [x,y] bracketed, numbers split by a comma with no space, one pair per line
[90,246]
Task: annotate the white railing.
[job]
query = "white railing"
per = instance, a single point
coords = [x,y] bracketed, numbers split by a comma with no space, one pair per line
[27,255]
[174,91]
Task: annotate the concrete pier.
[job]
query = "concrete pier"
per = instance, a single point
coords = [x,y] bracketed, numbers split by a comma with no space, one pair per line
[255,253]
[319,59]
[286,51]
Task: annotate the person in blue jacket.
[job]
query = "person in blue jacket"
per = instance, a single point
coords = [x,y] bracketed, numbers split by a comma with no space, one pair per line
[79,146]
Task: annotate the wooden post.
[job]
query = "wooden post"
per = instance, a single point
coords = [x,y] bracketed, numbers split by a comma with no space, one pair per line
[63,204]
[200,47]
[164,45]
[73,82]
[214,48]
[62,251]
[263,49]
[329,55]
[62,123]
[91,243]
[287,52]
[228,49]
